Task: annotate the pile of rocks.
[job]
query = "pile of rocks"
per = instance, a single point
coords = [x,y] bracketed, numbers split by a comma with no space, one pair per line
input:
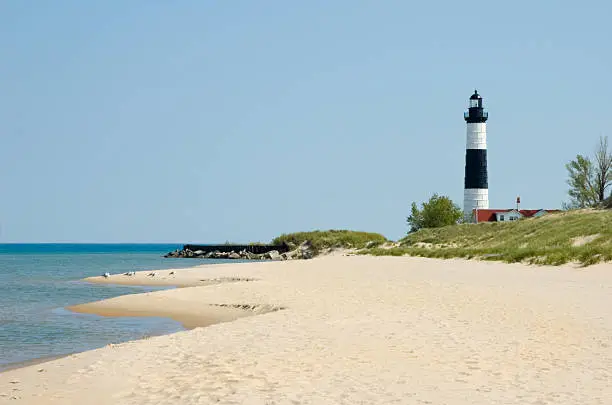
[304,251]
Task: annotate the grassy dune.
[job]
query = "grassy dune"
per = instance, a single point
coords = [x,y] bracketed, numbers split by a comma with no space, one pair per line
[320,240]
[583,236]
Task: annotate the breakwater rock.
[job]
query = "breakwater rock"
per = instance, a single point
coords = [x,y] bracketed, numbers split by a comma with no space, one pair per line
[303,251]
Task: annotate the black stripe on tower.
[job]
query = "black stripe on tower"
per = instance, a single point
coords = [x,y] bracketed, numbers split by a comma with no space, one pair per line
[476,168]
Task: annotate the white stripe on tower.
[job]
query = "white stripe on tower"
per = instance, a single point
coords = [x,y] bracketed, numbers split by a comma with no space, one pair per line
[476,135]
[476,192]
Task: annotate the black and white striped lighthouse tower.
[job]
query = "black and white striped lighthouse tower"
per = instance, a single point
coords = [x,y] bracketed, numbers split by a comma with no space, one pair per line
[476,190]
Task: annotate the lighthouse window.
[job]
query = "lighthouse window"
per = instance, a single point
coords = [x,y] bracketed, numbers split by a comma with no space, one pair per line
[473,103]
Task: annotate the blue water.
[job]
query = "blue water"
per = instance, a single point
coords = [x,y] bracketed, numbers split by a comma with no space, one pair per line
[38,280]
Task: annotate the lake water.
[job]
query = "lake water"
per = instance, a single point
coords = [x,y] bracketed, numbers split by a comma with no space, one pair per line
[38,280]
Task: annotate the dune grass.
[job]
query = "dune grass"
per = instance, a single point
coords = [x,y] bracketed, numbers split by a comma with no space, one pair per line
[583,236]
[320,240]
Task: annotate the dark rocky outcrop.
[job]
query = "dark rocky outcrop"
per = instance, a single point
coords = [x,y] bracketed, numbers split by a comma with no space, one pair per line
[303,251]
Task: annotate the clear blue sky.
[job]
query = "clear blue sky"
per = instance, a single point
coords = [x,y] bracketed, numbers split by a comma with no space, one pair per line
[206,121]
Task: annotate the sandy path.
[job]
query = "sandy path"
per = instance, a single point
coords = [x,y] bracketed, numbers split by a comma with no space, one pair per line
[361,330]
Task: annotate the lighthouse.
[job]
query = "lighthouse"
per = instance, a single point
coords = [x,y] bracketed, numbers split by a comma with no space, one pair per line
[476,185]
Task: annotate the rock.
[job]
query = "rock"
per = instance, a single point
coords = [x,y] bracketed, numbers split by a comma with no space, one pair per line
[176,253]
[198,252]
[307,254]
[289,255]
[306,251]
[234,255]
[370,244]
[217,255]
[274,255]
[303,251]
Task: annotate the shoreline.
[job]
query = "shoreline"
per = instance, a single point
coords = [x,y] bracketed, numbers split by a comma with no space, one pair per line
[164,304]
[142,305]
[153,304]
[177,278]
[182,312]
[32,362]
[165,282]
[185,307]
[186,312]
[354,329]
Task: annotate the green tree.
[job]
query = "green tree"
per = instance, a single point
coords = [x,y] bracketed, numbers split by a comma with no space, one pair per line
[415,220]
[589,179]
[581,182]
[437,212]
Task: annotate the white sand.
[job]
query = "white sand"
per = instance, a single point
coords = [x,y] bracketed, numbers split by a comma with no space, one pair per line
[359,330]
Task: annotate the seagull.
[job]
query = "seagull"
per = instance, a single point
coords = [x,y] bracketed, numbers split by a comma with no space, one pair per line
[106,275]
[130,273]
[152,274]
[171,273]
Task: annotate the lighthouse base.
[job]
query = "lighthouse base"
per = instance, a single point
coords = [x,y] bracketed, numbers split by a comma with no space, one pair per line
[474,198]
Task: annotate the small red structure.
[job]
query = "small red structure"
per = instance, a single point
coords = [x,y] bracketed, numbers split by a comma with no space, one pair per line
[503,215]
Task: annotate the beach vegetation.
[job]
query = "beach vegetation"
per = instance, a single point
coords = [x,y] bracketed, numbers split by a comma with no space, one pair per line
[581,236]
[330,239]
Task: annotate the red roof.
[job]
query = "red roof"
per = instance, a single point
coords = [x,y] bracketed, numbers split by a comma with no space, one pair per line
[488,215]
[529,213]
[483,215]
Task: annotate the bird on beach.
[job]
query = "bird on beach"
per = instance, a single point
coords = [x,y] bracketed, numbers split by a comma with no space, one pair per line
[152,274]
[171,273]
[130,273]
[106,275]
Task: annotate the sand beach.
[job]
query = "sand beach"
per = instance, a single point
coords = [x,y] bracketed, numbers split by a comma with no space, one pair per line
[348,330]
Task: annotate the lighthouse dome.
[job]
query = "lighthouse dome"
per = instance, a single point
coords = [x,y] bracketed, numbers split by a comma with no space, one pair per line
[475,96]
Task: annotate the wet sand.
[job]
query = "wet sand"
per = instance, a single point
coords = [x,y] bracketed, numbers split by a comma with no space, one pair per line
[28,363]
